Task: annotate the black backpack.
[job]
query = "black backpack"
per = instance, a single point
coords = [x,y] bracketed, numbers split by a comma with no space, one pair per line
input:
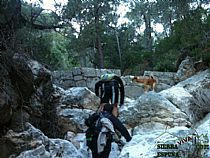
[108,84]
[94,127]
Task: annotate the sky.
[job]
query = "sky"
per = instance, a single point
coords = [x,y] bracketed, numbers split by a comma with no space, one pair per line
[49,4]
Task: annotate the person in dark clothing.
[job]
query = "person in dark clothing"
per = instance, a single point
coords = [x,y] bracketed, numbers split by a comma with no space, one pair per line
[107,113]
[108,88]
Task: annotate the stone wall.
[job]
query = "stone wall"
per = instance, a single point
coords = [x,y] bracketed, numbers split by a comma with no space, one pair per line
[87,77]
[163,77]
[165,81]
[80,77]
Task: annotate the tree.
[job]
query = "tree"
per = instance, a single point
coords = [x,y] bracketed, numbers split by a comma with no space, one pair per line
[185,41]
[93,17]
[143,12]
[12,19]
[28,28]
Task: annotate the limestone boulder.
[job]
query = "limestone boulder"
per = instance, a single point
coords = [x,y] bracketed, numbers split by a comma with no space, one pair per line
[186,69]
[154,143]
[80,97]
[72,119]
[8,96]
[152,108]
[203,131]
[75,105]
[191,96]
[33,143]
[134,91]
[22,78]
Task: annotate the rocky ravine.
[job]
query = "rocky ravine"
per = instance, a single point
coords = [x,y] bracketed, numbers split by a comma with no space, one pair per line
[40,119]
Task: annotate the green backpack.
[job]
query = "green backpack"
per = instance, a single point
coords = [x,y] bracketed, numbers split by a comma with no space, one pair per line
[107,77]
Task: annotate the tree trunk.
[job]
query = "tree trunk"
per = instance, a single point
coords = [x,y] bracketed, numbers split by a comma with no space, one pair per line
[119,50]
[100,51]
[11,20]
[98,37]
[148,32]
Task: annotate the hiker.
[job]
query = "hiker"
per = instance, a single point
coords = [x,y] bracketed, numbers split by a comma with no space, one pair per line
[102,136]
[108,88]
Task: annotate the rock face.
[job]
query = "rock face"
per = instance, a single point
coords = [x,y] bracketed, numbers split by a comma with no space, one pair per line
[152,108]
[22,78]
[76,104]
[33,143]
[42,108]
[153,144]
[80,97]
[8,96]
[26,93]
[186,69]
[203,130]
[191,95]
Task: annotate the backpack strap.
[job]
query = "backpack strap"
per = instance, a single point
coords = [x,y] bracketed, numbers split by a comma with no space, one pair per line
[113,94]
[102,90]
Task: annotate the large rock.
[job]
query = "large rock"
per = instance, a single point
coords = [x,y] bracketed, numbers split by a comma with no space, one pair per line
[76,104]
[22,78]
[179,97]
[153,108]
[42,81]
[199,81]
[32,82]
[178,140]
[8,96]
[186,69]
[32,143]
[26,92]
[72,119]
[188,142]
[191,96]
[203,131]
[80,97]
[132,90]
